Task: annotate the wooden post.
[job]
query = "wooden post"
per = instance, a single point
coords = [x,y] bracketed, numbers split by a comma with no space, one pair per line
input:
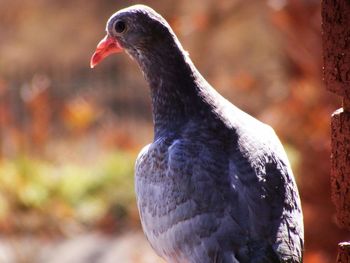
[343,252]
[340,174]
[336,55]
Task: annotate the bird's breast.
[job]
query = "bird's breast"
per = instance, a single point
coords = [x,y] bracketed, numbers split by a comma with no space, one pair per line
[168,197]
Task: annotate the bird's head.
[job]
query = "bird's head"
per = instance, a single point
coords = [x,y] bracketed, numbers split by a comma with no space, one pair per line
[137,29]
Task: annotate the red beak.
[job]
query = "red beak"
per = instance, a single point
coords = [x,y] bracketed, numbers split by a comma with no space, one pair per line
[107,46]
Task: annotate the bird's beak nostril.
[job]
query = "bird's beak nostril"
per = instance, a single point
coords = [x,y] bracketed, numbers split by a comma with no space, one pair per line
[108,45]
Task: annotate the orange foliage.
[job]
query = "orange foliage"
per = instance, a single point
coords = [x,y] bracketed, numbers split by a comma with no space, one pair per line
[78,115]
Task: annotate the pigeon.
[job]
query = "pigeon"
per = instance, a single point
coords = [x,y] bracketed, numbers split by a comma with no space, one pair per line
[215,185]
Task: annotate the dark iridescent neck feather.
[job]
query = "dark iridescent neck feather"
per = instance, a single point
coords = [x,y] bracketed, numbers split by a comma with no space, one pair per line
[178,91]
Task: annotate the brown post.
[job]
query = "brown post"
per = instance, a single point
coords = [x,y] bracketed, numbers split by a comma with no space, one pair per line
[343,252]
[336,55]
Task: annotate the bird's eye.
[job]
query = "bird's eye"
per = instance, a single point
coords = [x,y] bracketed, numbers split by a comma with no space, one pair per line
[120,26]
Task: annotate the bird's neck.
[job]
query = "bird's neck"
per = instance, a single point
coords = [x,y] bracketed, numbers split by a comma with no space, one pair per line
[179,93]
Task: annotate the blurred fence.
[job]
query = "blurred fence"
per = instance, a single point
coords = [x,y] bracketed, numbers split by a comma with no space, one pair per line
[40,106]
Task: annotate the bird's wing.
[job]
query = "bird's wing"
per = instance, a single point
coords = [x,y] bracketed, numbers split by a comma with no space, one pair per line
[246,205]
[260,169]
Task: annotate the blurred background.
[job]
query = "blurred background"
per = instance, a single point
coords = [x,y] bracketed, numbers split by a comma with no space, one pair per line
[69,135]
